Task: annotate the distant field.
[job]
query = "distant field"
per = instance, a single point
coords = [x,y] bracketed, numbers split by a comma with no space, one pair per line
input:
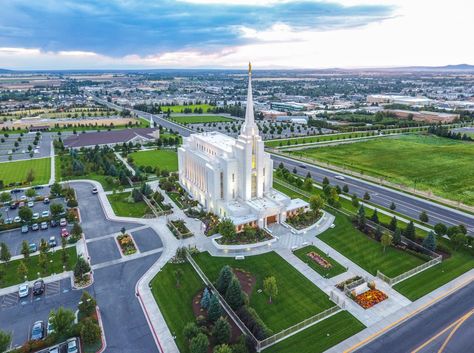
[180,108]
[201,119]
[316,138]
[164,159]
[11,172]
[444,166]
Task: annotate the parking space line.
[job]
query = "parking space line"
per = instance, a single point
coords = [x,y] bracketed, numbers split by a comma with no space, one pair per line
[53,288]
[10,300]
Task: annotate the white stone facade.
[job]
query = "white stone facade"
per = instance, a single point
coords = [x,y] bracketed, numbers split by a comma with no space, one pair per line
[233,178]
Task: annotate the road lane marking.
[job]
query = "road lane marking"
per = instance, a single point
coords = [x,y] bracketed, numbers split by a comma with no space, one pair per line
[408,316]
[461,321]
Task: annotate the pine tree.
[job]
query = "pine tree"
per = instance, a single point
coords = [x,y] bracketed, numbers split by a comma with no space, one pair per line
[430,241]
[206,298]
[214,311]
[393,206]
[199,344]
[424,217]
[393,224]
[325,181]
[410,231]
[375,217]
[378,233]
[225,277]
[361,217]
[397,236]
[221,331]
[233,295]
[366,196]
[355,200]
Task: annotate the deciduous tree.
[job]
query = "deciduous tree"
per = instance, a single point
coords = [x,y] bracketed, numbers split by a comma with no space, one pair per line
[386,240]
[270,287]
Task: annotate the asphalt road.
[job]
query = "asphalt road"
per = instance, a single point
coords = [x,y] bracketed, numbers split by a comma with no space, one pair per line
[126,329]
[420,329]
[407,205]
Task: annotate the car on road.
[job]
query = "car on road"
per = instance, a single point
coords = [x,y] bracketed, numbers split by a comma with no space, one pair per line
[33,247]
[16,191]
[17,219]
[31,203]
[8,220]
[52,241]
[94,190]
[302,166]
[339,177]
[44,225]
[38,187]
[49,327]
[53,223]
[36,215]
[72,345]
[38,287]
[35,226]
[63,222]
[23,290]
[37,331]
[24,228]
[64,232]
[45,214]
[46,200]
[13,206]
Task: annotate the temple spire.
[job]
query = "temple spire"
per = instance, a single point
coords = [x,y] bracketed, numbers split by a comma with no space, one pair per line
[249,128]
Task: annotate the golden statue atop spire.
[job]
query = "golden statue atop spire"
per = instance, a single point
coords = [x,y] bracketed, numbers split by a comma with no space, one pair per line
[250,68]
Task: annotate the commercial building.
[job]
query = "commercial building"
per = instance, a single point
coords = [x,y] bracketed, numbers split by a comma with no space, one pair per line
[233,178]
[425,116]
[396,99]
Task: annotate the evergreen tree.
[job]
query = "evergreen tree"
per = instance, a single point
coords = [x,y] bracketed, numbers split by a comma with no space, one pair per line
[397,236]
[393,224]
[87,304]
[214,311]
[440,229]
[430,241]
[345,188]
[233,295]
[325,181]
[224,348]
[190,331]
[221,331]
[378,233]
[424,217]
[199,344]
[225,277]
[393,206]
[410,231]
[361,217]
[206,298]
[375,217]
[366,196]
[355,200]
[25,249]
[90,331]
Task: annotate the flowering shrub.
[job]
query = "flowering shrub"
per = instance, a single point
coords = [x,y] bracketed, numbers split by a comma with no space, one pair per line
[370,298]
[318,259]
[126,244]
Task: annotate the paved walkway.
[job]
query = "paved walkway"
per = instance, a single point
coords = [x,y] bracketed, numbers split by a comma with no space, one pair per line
[52,178]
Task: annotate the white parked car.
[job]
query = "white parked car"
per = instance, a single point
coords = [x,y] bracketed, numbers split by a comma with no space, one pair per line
[45,214]
[63,222]
[17,219]
[44,225]
[23,198]
[36,216]
[31,203]
[72,345]
[23,291]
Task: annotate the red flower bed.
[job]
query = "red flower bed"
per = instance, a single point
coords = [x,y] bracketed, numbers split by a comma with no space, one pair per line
[370,298]
[318,259]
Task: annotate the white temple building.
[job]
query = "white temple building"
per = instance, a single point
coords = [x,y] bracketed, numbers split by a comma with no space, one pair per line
[233,178]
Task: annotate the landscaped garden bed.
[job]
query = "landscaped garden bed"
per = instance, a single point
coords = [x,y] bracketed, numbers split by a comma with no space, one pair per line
[179,229]
[248,236]
[304,220]
[370,298]
[320,262]
[126,244]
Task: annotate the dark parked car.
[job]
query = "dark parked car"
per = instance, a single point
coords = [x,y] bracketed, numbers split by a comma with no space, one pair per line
[38,287]
[53,223]
[37,331]
[13,205]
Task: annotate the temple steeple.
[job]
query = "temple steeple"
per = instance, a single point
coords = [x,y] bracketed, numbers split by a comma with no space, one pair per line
[249,128]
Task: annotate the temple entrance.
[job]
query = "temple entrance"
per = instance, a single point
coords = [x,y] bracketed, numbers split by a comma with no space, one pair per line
[272,219]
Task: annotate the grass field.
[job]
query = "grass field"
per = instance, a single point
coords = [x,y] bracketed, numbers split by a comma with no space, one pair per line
[201,119]
[11,172]
[433,163]
[11,274]
[122,208]
[321,336]
[297,298]
[335,270]
[176,302]
[366,252]
[180,108]
[421,284]
[164,159]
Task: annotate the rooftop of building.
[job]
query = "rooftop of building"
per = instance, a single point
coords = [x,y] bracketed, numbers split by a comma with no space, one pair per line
[217,139]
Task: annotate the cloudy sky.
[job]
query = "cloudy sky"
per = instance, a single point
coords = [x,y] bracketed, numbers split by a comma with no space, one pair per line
[98,34]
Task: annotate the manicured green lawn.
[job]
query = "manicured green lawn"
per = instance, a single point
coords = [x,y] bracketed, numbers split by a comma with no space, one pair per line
[316,138]
[201,119]
[421,284]
[432,163]
[297,299]
[175,197]
[180,108]
[122,208]
[335,270]
[11,269]
[176,302]
[366,252]
[320,336]
[11,172]
[164,159]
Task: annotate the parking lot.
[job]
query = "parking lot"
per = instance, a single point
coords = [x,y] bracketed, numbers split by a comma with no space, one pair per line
[7,148]
[19,314]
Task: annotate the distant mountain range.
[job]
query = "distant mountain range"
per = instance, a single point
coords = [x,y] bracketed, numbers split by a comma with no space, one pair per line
[446,68]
